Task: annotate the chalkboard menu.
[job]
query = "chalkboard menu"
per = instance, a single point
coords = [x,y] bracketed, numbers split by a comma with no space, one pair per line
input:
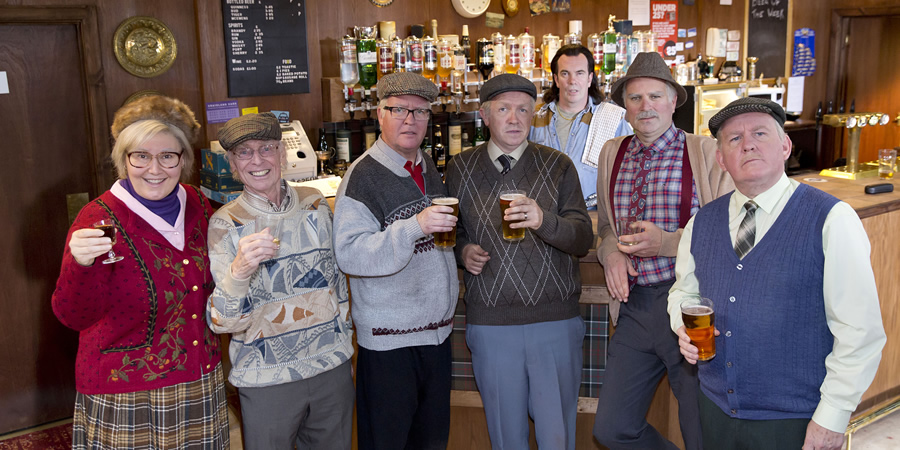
[265,47]
[767,35]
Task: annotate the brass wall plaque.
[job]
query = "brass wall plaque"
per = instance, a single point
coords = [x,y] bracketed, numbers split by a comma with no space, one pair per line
[144,46]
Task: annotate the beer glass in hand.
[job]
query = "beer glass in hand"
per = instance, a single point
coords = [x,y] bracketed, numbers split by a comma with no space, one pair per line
[699,323]
[446,239]
[507,197]
[109,230]
[274,226]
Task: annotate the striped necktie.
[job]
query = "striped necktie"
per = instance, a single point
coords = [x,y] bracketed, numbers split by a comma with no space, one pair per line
[504,161]
[746,235]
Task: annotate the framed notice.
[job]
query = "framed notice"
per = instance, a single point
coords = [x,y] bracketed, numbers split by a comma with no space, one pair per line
[265,47]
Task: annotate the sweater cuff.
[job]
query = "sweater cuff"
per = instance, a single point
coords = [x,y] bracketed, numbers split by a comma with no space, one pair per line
[412,229]
[669,244]
[235,287]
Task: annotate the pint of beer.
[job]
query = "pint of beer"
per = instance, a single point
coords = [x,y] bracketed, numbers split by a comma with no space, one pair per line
[699,320]
[507,197]
[446,239]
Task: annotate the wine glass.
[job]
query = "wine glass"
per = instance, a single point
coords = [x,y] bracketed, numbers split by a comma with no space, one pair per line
[322,156]
[109,230]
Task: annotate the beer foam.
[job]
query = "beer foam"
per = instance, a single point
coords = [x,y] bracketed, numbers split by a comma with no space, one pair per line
[445,201]
[697,310]
[511,197]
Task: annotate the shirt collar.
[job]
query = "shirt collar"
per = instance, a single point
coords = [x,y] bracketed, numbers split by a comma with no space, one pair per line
[263,204]
[494,152]
[397,158]
[766,200]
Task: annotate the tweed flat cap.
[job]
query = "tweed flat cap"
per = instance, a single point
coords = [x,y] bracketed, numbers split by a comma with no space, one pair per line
[647,65]
[157,107]
[507,82]
[407,83]
[262,126]
[743,106]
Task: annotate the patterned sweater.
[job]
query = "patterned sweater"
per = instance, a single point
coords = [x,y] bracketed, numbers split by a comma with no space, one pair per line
[404,288]
[290,320]
[536,279]
[141,319]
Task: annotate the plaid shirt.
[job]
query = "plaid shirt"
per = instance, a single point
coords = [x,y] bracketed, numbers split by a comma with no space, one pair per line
[663,199]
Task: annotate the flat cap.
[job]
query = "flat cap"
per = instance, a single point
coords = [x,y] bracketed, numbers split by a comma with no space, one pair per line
[743,106]
[507,82]
[262,126]
[407,83]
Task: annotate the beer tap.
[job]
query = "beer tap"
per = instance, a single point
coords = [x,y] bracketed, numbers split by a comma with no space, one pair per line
[854,123]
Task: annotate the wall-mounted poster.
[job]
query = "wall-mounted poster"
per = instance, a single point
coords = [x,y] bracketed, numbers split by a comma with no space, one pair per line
[664,22]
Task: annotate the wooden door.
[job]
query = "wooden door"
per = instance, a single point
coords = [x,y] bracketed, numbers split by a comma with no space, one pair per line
[873,79]
[49,141]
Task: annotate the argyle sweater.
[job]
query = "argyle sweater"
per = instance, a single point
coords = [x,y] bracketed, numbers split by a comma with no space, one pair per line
[404,288]
[536,279]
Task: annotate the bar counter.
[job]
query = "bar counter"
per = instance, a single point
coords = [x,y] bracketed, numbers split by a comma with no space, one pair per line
[880,216]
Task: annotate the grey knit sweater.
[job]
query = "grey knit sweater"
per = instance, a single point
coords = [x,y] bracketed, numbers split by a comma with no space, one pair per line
[404,288]
[536,279]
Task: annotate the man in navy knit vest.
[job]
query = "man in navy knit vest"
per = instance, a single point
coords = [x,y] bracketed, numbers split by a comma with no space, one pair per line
[797,320]
[404,288]
[522,318]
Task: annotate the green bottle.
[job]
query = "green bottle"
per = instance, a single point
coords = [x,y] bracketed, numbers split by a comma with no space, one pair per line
[609,47]
[479,132]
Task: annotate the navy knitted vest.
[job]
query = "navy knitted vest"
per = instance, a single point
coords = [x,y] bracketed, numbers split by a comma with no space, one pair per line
[770,356]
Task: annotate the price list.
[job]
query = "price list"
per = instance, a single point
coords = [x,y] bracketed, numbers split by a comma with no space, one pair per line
[266,47]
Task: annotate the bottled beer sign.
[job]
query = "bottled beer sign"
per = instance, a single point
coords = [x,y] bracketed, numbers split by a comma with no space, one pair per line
[265,47]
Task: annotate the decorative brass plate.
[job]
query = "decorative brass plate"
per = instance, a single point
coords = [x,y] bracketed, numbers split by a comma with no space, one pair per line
[144,46]
[510,7]
[381,3]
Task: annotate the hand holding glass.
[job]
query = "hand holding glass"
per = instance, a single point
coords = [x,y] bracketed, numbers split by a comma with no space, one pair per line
[626,226]
[699,323]
[109,230]
[446,239]
[507,197]
[274,226]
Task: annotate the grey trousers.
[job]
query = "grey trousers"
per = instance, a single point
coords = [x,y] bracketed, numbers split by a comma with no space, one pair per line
[642,349]
[316,413]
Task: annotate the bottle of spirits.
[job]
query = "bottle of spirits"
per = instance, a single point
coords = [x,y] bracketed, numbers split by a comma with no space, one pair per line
[465,44]
[526,49]
[479,132]
[437,150]
[609,47]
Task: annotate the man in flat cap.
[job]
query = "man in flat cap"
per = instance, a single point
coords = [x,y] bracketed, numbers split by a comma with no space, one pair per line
[404,287]
[523,325]
[796,309]
[659,177]
[281,297]
[574,118]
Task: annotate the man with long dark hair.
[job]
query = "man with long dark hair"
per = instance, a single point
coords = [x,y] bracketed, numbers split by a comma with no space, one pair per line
[573,110]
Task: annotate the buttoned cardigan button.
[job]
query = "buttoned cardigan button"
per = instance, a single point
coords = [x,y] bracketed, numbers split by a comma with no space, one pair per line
[196,343]
[727,334]
[740,267]
[185,261]
[731,299]
[194,288]
[193,316]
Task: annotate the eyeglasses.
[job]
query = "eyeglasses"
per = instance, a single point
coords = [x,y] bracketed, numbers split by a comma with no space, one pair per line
[245,153]
[166,160]
[401,113]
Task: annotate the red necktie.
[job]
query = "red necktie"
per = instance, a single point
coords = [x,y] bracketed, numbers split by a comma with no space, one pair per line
[416,172]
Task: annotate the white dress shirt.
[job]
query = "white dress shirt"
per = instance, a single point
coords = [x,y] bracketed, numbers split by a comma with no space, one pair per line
[852,311]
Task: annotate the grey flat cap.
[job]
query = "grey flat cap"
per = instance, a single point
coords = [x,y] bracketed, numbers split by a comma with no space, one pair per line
[647,65]
[407,83]
[262,126]
[743,106]
[507,82]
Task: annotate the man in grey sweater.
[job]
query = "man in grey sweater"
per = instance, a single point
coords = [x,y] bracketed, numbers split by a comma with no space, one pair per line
[404,289]
[523,323]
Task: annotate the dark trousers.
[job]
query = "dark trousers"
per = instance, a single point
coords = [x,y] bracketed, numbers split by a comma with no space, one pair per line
[723,432]
[403,398]
[642,349]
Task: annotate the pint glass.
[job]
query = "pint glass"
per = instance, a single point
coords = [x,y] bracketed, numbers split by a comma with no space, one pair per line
[699,320]
[446,239]
[510,234]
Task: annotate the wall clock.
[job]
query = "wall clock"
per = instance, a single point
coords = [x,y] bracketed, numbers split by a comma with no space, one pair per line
[471,8]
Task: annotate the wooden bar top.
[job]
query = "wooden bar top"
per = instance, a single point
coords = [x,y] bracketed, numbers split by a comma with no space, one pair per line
[853,192]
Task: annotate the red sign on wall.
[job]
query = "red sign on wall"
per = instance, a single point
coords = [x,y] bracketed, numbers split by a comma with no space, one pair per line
[664,22]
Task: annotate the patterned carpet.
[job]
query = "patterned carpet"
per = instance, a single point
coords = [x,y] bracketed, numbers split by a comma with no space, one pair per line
[58,437]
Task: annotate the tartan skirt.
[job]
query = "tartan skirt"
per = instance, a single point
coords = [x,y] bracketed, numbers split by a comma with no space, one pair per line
[192,415]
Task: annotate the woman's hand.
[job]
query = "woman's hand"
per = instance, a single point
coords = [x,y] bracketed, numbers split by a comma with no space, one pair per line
[87,244]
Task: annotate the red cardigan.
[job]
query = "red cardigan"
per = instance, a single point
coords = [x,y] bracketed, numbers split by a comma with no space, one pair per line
[142,320]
